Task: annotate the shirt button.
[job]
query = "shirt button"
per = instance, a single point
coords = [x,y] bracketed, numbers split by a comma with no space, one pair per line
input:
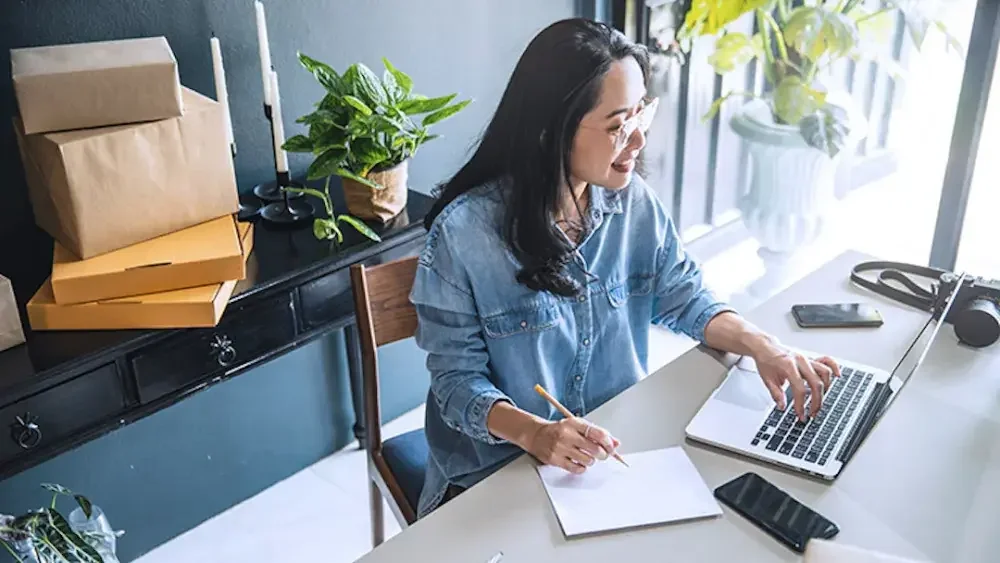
[579,378]
[524,324]
[582,298]
[586,342]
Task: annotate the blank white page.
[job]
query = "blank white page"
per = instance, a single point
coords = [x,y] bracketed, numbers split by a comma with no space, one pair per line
[660,486]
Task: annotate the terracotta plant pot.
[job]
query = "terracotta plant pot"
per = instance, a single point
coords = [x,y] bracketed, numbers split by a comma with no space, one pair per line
[383,205]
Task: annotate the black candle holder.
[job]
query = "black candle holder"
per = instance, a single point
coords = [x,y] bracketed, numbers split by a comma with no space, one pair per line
[272,192]
[249,209]
[286,211]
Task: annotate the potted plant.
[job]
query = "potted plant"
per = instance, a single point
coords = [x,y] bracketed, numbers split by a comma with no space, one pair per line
[46,536]
[363,131]
[797,131]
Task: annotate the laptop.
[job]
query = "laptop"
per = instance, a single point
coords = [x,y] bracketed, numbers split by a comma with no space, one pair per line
[741,417]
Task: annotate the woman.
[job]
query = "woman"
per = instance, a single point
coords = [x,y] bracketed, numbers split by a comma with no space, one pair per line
[546,261]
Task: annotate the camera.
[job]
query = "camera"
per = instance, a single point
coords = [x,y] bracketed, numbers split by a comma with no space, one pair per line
[975,312]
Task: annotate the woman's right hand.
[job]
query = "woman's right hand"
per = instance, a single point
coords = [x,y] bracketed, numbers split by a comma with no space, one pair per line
[572,444]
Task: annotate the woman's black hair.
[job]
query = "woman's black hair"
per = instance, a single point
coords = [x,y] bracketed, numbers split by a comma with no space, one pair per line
[527,144]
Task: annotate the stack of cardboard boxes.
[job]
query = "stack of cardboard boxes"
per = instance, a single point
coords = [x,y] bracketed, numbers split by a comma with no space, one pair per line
[131,174]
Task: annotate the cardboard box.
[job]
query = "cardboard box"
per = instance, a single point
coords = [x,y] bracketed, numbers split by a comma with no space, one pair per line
[99,190]
[183,308]
[11,333]
[85,85]
[204,254]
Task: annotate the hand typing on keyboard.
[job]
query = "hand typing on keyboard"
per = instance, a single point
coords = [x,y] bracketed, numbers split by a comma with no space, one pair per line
[807,377]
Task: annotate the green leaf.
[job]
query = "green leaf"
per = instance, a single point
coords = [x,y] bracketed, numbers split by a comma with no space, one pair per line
[369,152]
[826,129]
[331,102]
[56,488]
[387,124]
[360,227]
[332,138]
[414,106]
[952,41]
[392,88]
[319,116]
[731,50]
[67,542]
[371,86]
[403,80]
[708,18]
[358,105]
[915,15]
[298,143]
[85,505]
[874,27]
[326,164]
[794,100]
[344,173]
[815,32]
[717,104]
[444,113]
[324,74]
[326,229]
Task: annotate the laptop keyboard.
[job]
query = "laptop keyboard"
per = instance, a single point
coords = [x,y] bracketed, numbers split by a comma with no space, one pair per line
[814,439]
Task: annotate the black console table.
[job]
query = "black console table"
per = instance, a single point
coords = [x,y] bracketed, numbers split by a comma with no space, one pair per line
[74,386]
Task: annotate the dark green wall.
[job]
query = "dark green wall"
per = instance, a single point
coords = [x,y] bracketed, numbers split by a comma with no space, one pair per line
[171,471]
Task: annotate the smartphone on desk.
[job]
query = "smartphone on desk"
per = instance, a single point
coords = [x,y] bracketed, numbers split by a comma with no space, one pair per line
[834,315]
[775,511]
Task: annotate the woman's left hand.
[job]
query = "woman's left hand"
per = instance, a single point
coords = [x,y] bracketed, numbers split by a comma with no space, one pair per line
[802,373]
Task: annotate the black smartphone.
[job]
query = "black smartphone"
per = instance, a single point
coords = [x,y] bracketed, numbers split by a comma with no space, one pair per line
[829,315]
[775,511]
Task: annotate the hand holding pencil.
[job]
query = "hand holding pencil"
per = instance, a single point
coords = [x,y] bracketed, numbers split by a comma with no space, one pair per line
[574,443]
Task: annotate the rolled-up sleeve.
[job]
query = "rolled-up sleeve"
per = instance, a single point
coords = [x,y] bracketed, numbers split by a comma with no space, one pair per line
[449,330]
[683,303]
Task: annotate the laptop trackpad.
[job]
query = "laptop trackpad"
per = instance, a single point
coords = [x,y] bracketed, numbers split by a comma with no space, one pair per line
[745,388]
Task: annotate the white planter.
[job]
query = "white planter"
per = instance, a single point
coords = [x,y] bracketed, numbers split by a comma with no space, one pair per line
[792,184]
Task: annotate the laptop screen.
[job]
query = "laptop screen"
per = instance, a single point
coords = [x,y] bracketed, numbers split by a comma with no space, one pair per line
[904,370]
[921,344]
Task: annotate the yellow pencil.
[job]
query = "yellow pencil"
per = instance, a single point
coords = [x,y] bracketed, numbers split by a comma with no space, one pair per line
[565,412]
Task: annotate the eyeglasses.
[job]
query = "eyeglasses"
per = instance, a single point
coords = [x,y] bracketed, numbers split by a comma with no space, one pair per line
[641,120]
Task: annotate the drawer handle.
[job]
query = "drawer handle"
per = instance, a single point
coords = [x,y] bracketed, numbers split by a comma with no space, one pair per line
[25,431]
[224,347]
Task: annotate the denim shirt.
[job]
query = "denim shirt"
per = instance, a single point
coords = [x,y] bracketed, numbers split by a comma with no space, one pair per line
[489,338]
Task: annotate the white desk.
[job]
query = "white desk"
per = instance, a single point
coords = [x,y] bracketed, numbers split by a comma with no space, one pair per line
[925,485]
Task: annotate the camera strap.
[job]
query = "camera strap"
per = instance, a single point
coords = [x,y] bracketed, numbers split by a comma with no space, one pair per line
[914,294]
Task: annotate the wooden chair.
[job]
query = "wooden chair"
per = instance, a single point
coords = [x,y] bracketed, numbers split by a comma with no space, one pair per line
[384,315]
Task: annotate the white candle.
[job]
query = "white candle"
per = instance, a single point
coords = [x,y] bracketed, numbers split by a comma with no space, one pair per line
[265,51]
[221,92]
[280,157]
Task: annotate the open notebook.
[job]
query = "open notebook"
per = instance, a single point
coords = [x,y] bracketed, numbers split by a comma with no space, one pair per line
[660,486]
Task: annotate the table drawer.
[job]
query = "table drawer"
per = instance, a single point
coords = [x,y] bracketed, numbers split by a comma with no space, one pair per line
[244,334]
[328,298]
[43,419]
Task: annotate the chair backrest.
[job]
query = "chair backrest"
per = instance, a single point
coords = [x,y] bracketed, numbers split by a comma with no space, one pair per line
[384,315]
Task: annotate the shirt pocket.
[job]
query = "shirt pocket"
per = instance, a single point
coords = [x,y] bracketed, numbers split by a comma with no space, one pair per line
[535,319]
[620,292]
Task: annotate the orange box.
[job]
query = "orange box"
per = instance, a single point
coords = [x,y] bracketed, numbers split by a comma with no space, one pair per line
[205,254]
[193,307]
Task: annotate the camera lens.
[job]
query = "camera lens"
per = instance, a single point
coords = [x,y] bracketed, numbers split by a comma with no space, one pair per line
[978,324]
